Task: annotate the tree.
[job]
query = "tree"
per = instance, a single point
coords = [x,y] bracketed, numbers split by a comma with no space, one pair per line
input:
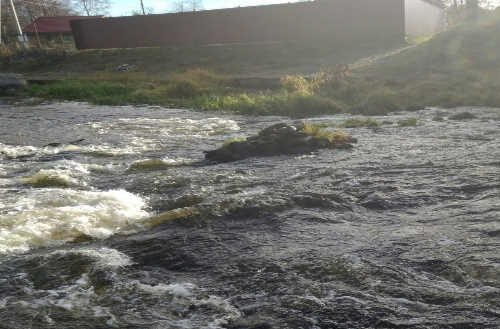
[147,11]
[195,5]
[92,7]
[142,8]
[489,4]
[180,6]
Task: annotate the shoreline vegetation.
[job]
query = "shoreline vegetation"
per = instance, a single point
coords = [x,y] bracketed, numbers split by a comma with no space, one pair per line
[458,67]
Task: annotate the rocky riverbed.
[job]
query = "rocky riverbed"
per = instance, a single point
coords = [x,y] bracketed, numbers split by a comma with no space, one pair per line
[131,228]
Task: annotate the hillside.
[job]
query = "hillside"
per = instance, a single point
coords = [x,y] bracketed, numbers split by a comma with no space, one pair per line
[459,67]
[264,60]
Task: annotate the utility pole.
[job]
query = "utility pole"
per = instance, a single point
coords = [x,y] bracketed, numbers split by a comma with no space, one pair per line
[19,30]
[0,22]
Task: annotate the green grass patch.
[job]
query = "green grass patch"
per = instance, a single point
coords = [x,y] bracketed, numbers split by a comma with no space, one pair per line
[319,132]
[294,104]
[410,122]
[234,140]
[361,123]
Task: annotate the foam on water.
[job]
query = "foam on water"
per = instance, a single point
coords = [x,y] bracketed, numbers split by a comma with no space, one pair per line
[47,178]
[168,127]
[62,173]
[44,217]
[183,290]
[154,164]
[16,151]
[229,312]
[78,297]
[189,294]
[104,257]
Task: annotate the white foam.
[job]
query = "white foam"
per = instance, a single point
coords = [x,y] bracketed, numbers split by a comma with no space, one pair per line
[104,149]
[190,294]
[143,127]
[183,290]
[55,216]
[5,182]
[16,151]
[63,172]
[229,311]
[159,163]
[78,297]
[104,257]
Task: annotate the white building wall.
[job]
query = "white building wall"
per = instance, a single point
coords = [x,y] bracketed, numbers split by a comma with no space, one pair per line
[422,18]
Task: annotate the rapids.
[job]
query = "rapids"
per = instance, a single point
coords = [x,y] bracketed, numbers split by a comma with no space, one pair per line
[402,231]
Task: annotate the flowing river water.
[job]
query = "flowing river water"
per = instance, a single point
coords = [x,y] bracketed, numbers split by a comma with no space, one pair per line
[402,231]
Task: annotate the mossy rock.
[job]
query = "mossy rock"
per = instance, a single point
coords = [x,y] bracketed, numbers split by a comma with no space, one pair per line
[279,139]
[463,116]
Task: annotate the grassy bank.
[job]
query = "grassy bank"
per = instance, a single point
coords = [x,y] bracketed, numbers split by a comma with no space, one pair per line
[460,67]
[240,60]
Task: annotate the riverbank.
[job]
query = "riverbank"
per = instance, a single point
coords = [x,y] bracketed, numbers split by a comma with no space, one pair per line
[460,67]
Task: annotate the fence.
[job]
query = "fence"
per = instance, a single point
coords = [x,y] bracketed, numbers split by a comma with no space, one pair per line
[334,21]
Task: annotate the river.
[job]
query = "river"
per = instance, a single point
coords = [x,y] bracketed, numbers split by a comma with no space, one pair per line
[402,231]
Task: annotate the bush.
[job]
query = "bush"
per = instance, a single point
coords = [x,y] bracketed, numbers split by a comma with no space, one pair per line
[410,122]
[360,123]
[295,83]
[380,102]
[184,89]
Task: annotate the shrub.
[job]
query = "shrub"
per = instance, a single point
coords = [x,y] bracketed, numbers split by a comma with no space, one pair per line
[296,83]
[379,102]
[360,123]
[184,89]
[317,131]
[410,122]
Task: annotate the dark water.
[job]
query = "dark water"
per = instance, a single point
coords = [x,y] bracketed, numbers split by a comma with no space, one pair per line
[401,232]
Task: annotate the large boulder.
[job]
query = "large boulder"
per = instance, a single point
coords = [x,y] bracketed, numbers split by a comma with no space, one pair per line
[281,138]
[11,81]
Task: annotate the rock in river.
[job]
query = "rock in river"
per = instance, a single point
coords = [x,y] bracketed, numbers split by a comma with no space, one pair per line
[11,81]
[282,138]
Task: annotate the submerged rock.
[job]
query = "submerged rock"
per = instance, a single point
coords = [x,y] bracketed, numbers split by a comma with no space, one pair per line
[463,116]
[11,81]
[57,144]
[281,139]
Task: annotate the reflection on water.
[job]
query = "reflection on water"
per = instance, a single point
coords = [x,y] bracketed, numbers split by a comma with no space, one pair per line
[400,232]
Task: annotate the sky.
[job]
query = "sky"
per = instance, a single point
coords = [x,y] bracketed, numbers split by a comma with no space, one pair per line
[125,7]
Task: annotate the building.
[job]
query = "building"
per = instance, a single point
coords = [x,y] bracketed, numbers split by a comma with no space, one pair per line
[52,29]
[424,17]
[341,23]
